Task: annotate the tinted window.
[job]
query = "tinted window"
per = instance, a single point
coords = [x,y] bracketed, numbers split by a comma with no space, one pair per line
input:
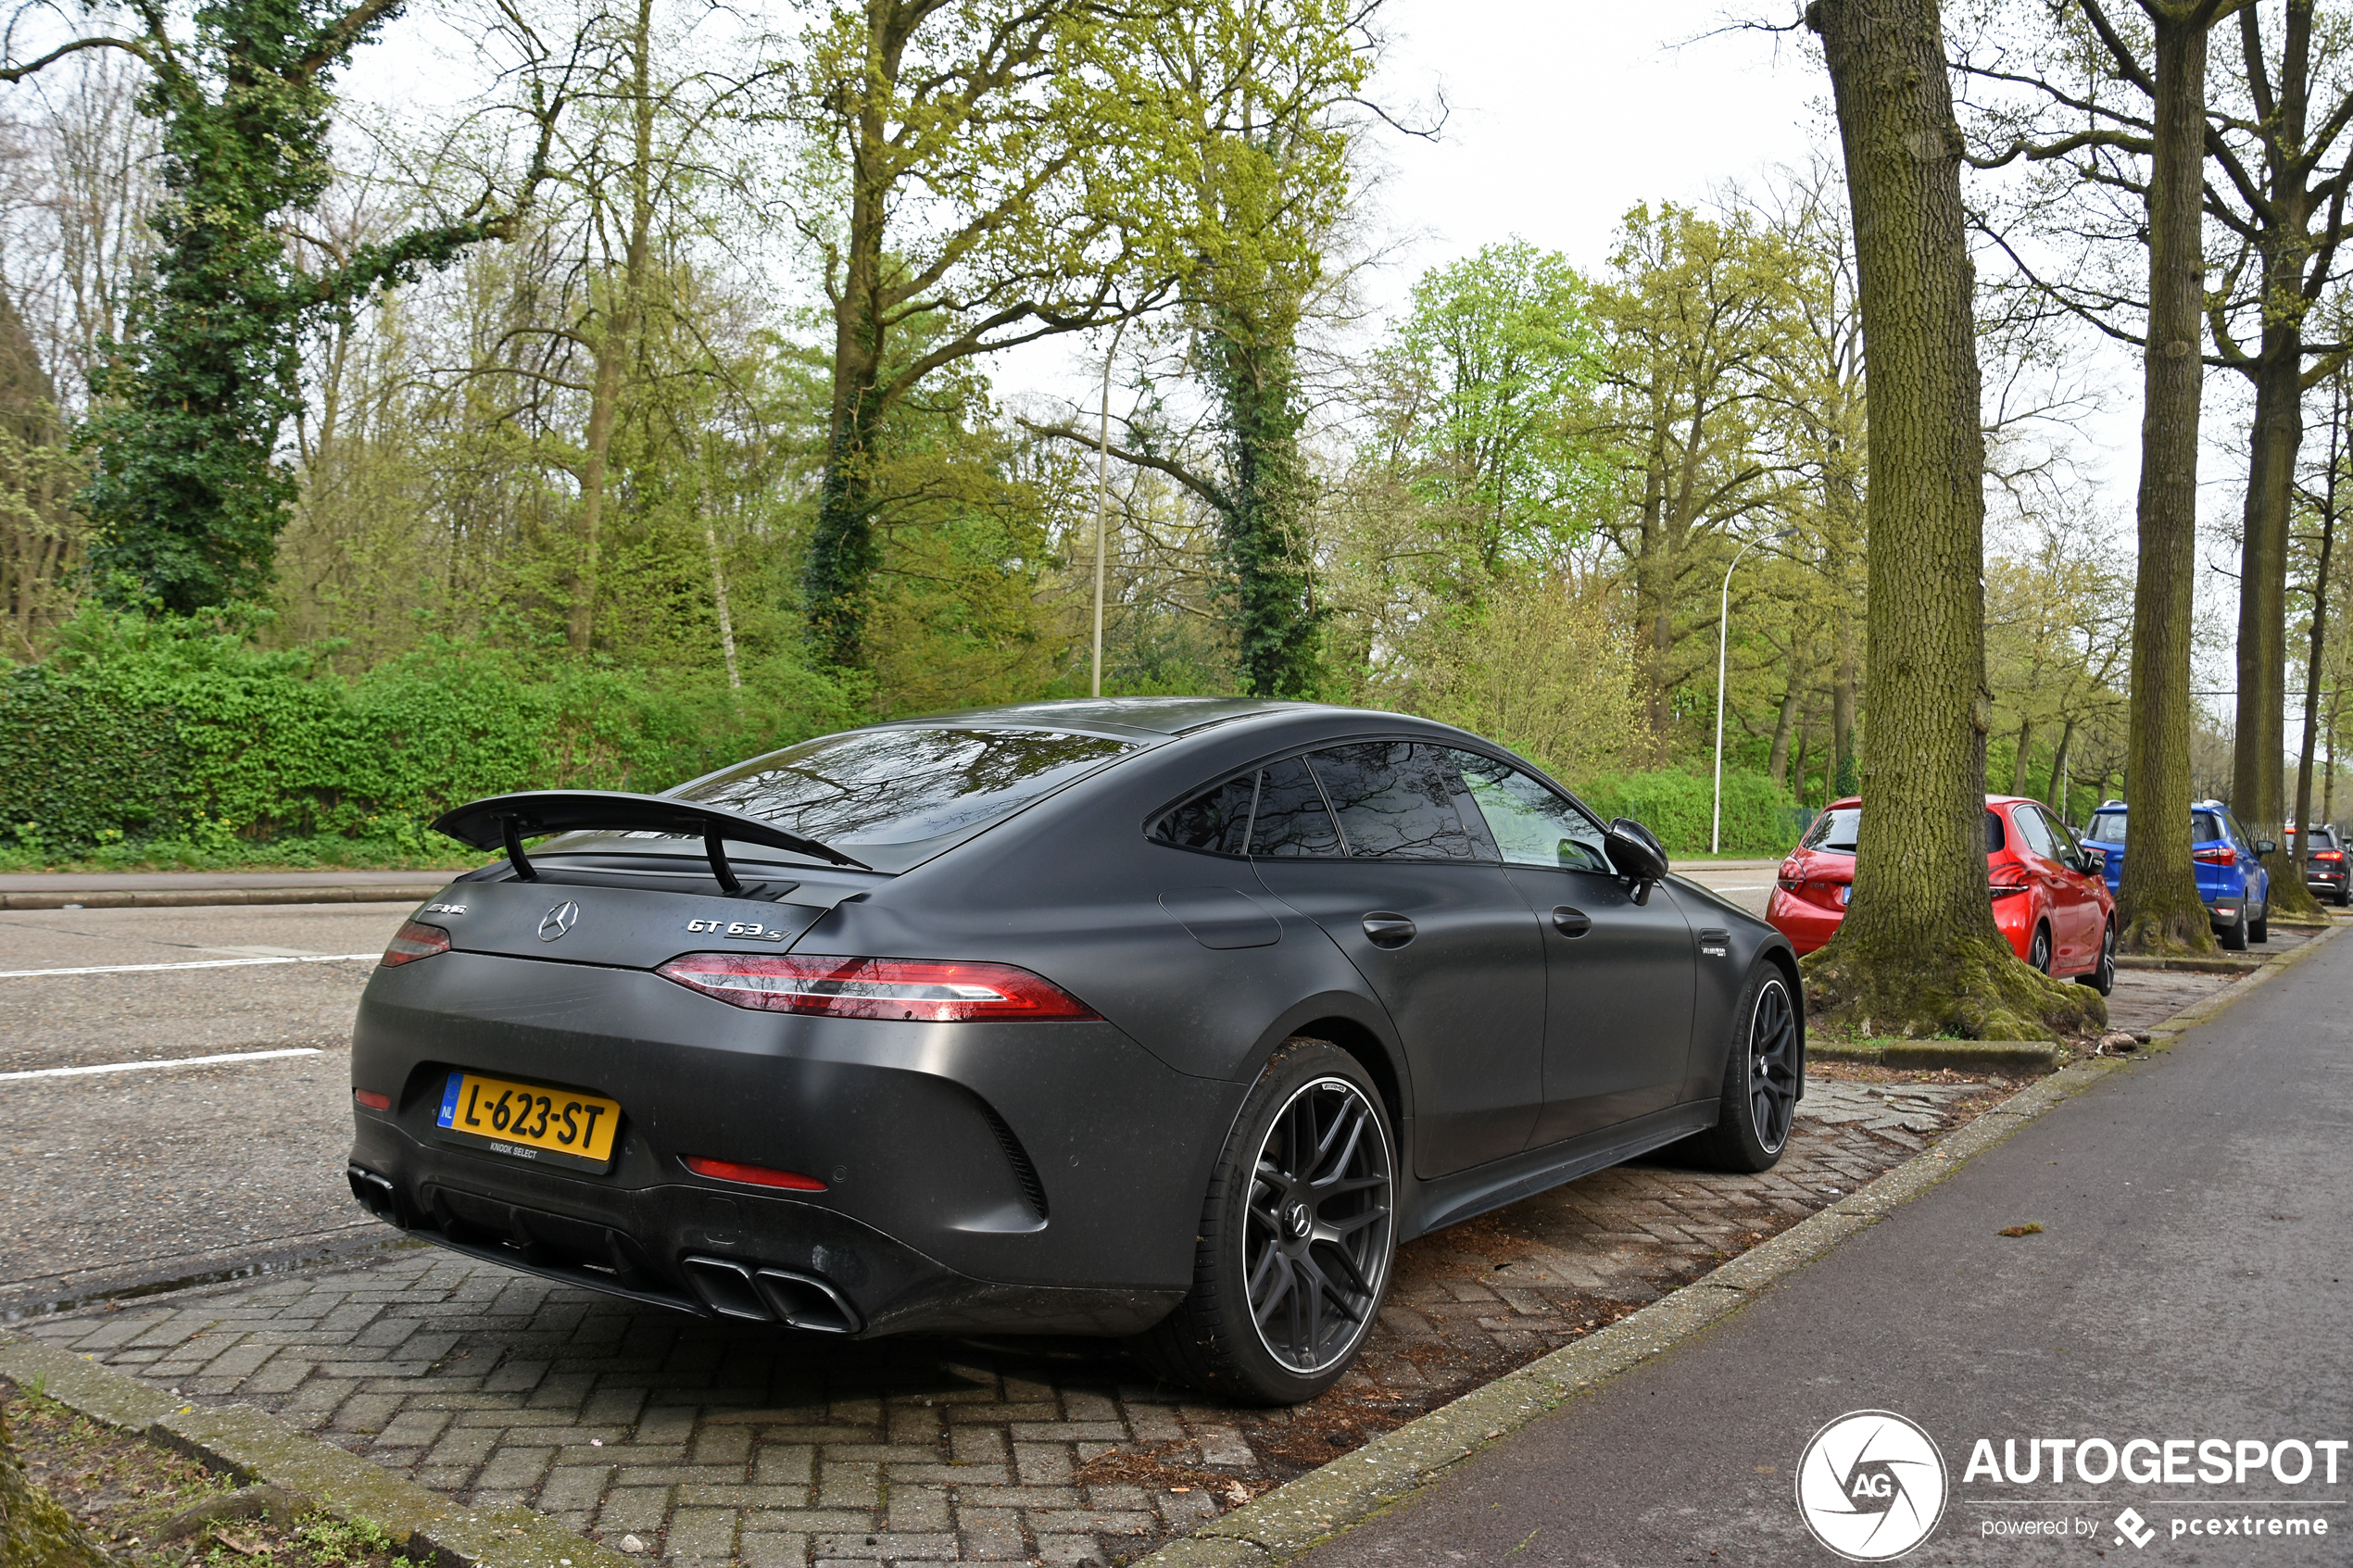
[2108,827]
[1394,800]
[1835,830]
[1215,819]
[2205,828]
[2037,834]
[1292,819]
[896,786]
[1534,825]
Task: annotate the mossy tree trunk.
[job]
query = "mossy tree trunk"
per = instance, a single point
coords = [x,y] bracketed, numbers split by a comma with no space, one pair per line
[34,1531]
[1918,953]
[2158,906]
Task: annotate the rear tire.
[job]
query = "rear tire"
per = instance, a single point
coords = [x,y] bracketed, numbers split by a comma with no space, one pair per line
[2103,976]
[2234,935]
[1297,1235]
[2344,895]
[1764,1070]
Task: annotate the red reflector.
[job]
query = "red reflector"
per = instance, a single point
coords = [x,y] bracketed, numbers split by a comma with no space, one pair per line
[414,941]
[752,1175]
[373,1101]
[2222,856]
[893,988]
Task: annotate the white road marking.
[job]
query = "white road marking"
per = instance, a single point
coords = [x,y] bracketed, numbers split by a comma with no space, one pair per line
[177,1061]
[197,963]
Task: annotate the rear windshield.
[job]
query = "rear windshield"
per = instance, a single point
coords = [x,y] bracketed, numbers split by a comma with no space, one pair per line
[1834,829]
[903,785]
[2108,827]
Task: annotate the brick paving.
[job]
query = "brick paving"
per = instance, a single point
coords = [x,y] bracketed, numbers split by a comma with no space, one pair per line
[719,1443]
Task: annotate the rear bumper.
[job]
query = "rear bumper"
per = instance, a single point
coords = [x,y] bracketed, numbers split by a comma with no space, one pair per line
[1807,925]
[982,1176]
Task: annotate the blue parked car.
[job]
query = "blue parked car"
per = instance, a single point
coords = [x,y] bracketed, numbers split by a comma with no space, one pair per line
[2232,882]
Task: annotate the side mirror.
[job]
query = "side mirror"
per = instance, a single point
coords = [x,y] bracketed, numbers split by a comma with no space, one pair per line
[2267,846]
[1637,854]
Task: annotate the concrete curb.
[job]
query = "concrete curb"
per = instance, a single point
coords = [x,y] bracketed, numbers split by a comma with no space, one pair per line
[2214,965]
[1285,1523]
[2007,1059]
[195,898]
[259,1448]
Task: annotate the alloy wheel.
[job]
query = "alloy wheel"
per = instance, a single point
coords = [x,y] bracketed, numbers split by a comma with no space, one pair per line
[1315,1246]
[1772,1064]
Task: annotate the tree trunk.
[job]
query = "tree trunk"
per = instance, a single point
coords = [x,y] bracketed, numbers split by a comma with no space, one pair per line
[1918,953]
[2158,906]
[2056,798]
[2317,651]
[2025,752]
[2256,762]
[1251,366]
[617,343]
[1777,761]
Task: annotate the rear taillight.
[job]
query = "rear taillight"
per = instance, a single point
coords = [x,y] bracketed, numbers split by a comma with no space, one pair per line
[372,1099]
[2328,854]
[752,1175]
[414,941]
[893,988]
[2221,854]
[1789,879]
[2003,889]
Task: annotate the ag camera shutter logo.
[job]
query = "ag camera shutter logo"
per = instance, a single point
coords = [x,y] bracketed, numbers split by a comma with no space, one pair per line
[1871,1485]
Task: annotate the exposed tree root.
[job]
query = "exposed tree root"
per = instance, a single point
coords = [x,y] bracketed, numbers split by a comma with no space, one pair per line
[1974,989]
[2174,934]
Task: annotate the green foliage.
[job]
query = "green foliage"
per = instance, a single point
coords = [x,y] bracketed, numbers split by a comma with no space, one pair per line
[235,744]
[1486,379]
[1675,805]
[189,493]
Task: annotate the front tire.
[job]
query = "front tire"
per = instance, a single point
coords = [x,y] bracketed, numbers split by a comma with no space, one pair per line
[1763,1072]
[2103,978]
[2259,928]
[2038,954]
[1297,1235]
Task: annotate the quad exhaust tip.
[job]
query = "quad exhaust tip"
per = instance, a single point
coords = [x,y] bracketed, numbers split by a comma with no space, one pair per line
[739,1290]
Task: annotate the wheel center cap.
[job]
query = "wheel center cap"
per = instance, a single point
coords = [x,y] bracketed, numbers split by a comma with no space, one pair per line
[1298,1219]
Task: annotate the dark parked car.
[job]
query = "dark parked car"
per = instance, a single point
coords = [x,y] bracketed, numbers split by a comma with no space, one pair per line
[1163,1018]
[2232,882]
[2322,849]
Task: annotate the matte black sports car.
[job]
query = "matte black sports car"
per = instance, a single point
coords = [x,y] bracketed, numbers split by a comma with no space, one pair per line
[1166,1017]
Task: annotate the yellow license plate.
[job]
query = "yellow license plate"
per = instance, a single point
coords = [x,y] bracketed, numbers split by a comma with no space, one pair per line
[558,1126]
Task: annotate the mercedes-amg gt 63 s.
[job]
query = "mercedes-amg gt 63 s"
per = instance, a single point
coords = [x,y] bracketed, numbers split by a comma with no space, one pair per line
[1160,1018]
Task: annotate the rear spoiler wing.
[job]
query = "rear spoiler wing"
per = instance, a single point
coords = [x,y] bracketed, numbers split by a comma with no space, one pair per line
[504,820]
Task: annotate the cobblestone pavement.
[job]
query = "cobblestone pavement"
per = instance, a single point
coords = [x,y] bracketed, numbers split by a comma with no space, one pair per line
[714,1444]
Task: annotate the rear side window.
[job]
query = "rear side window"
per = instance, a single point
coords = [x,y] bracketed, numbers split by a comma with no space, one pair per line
[901,785]
[1835,830]
[1294,820]
[1394,800]
[2207,828]
[1215,819]
[2108,827]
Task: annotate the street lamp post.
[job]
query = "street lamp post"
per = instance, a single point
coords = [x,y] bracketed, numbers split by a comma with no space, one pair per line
[1723,635]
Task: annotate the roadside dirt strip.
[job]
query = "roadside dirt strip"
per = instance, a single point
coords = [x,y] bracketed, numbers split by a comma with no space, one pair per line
[502,1412]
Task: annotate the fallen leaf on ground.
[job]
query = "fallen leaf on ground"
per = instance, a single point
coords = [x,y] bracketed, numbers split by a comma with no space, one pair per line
[2029,1228]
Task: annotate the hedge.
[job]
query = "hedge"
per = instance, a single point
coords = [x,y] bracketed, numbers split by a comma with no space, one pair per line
[1759,816]
[142,730]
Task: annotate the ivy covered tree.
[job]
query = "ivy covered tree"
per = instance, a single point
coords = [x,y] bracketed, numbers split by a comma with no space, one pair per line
[188,490]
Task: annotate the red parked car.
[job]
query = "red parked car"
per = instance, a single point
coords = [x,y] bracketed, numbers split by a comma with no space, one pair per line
[2050,898]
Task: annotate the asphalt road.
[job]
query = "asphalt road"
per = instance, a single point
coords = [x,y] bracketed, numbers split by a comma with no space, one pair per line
[2190,1283]
[164,1172]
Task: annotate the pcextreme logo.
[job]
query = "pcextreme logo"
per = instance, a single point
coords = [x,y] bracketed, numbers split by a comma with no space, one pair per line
[1871,1485]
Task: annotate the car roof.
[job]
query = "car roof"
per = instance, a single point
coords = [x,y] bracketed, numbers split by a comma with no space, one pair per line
[1152,715]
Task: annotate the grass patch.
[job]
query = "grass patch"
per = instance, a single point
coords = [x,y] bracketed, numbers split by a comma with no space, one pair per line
[124,1490]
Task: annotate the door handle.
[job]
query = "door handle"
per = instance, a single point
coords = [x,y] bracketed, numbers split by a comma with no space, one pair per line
[1387,929]
[1571,923]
